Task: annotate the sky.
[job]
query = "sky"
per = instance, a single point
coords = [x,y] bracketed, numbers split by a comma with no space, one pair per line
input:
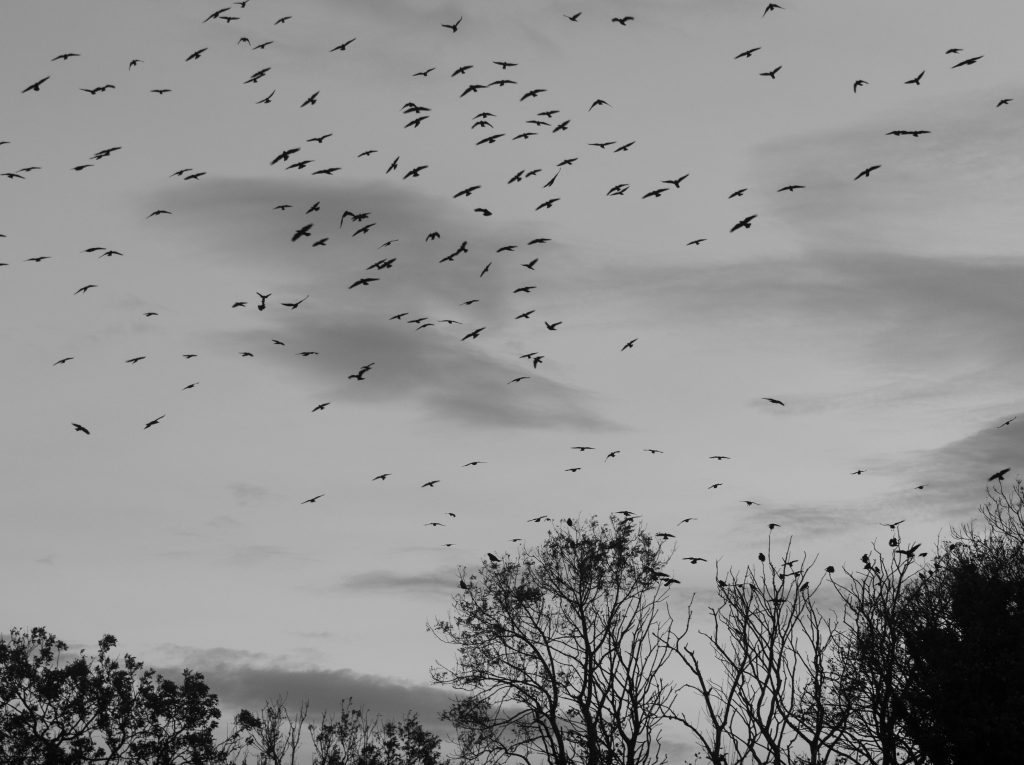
[883,311]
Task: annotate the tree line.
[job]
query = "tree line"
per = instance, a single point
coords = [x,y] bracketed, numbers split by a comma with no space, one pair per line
[569,652]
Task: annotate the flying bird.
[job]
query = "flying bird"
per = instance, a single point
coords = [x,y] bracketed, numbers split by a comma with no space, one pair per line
[866,172]
[915,80]
[1000,475]
[772,400]
[454,27]
[81,428]
[747,53]
[151,423]
[745,223]
[967,61]
[35,85]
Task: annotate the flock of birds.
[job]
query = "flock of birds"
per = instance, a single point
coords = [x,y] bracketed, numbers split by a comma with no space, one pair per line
[308,224]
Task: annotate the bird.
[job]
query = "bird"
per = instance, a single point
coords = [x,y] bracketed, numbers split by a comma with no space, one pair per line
[791,187]
[967,61]
[381,477]
[342,46]
[866,172]
[737,193]
[311,100]
[745,223]
[1006,423]
[159,212]
[719,457]
[1000,475]
[311,500]
[430,484]
[517,379]
[749,502]
[573,17]
[694,242]
[622,20]
[859,84]
[1003,102]
[747,53]
[915,80]
[772,400]
[771,7]
[296,304]
[196,54]
[454,27]
[35,85]
[598,102]
[771,73]
[151,423]
[363,281]
[81,429]
[629,344]
[64,360]
[858,471]
[474,334]
[85,288]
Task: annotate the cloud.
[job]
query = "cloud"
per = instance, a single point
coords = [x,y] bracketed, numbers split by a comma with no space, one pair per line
[436,582]
[246,679]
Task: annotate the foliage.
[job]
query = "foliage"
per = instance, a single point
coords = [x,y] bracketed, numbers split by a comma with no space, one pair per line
[963,631]
[57,709]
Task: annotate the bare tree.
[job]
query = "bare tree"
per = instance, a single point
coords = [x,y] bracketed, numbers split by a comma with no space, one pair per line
[771,701]
[872,657]
[275,734]
[560,648]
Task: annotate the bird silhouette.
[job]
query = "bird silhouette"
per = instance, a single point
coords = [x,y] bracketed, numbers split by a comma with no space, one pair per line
[454,27]
[81,429]
[915,80]
[1000,475]
[967,62]
[866,172]
[35,85]
[151,423]
[745,223]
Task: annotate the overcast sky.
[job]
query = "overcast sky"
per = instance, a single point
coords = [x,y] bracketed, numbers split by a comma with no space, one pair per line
[884,312]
